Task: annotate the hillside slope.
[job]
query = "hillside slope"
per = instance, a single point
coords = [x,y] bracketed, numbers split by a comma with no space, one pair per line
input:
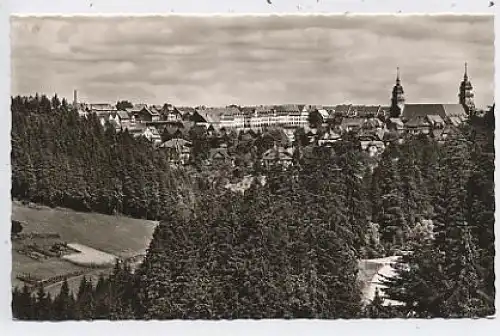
[120,236]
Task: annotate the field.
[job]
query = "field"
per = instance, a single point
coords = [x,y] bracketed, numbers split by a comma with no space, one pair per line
[99,238]
[90,257]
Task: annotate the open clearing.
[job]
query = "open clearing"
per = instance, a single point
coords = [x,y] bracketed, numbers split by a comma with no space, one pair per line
[109,235]
[121,236]
[88,256]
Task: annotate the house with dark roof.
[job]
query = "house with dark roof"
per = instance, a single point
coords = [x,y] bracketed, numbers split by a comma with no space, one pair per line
[287,109]
[198,117]
[139,107]
[450,113]
[123,115]
[170,113]
[418,125]
[352,124]
[206,117]
[186,112]
[101,108]
[178,150]
[364,111]
[158,109]
[436,121]
[412,111]
[174,131]
[123,118]
[220,156]
[145,114]
[278,155]
[137,129]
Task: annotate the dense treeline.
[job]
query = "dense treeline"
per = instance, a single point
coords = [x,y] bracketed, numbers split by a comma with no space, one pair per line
[285,250]
[112,298]
[289,248]
[60,159]
[452,274]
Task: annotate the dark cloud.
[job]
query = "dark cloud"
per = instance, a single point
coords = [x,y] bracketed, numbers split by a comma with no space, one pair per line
[253,60]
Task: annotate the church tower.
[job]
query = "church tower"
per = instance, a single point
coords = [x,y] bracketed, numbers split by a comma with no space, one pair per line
[466,96]
[398,98]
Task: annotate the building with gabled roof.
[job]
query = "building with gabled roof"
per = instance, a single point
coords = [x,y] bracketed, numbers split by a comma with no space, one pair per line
[418,125]
[287,109]
[352,124]
[101,108]
[436,121]
[278,155]
[219,156]
[178,150]
[151,133]
[363,111]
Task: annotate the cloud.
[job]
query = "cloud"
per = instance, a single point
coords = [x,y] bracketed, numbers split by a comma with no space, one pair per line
[253,60]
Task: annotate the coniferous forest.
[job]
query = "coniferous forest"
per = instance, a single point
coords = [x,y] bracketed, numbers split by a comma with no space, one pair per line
[287,248]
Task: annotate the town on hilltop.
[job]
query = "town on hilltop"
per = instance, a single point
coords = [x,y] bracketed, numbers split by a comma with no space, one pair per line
[173,128]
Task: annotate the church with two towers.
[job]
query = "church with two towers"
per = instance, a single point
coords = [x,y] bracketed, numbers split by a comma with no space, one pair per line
[413,114]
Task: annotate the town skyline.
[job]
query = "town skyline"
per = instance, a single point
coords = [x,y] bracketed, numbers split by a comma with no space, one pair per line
[245,60]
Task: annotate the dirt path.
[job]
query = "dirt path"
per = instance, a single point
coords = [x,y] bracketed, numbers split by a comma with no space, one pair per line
[74,282]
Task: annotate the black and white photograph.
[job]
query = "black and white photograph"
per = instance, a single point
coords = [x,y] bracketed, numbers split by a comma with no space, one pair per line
[249,167]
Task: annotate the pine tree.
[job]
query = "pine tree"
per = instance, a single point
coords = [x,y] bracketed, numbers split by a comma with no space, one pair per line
[42,305]
[23,306]
[356,198]
[16,303]
[64,305]
[102,298]
[375,309]
[390,217]
[85,303]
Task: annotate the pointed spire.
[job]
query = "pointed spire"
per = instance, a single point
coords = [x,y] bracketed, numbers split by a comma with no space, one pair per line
[398,80]
[465,73]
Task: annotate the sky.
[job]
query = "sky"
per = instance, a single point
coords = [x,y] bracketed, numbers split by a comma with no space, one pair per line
[253,60]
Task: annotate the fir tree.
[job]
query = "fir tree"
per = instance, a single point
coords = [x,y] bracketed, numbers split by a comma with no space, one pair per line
[64,305]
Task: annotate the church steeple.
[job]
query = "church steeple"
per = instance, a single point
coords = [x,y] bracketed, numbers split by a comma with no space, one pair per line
[466,94]
[398,98]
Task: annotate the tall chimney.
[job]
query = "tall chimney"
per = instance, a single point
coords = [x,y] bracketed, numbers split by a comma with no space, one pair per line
[75,99]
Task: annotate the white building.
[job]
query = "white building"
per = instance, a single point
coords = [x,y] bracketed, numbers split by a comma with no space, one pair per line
[261,117]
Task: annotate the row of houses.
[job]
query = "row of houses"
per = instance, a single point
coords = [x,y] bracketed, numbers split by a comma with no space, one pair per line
[367,122]
[416,117]
[142,119]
